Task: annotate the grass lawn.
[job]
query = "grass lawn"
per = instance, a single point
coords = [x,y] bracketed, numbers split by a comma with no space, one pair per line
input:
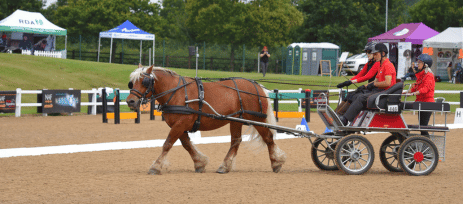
[36,73]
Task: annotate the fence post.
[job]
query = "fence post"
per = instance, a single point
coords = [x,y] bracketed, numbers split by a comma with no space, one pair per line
[275,104]
[152,110]
[163,53]
[461,99]
[105,105]
[94,101]
[212,63]
[80,47]
[244,56]
[204,55]
[73,54]
[120,55]
[122,52]
[307,105]
[17,111]
[117,110]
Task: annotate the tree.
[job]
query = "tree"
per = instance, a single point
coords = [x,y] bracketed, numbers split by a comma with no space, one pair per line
[93,16]
[348,23]
[7,7]
[174,13]
[236,23]
[438,14]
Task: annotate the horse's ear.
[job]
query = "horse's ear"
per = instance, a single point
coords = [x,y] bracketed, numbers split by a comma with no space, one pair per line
[149,70]
[139,65]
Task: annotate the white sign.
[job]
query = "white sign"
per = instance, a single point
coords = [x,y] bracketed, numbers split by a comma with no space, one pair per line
[405,58]
[343,57]
[458,116]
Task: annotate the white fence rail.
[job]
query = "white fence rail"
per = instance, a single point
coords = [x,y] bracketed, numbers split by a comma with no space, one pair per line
[53,54]
[94,103]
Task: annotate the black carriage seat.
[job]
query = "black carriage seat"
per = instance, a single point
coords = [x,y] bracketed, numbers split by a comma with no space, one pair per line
[385,98]
[426,106]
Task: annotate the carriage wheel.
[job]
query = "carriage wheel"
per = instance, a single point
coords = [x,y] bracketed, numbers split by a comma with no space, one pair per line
[418,156]
[322,155]
[354,154]
[388,153]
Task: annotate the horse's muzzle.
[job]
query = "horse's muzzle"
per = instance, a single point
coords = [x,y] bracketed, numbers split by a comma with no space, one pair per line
[132,104]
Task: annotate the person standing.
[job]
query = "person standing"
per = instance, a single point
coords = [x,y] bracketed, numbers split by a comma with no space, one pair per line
[423,89]
[264,55]
[25,44]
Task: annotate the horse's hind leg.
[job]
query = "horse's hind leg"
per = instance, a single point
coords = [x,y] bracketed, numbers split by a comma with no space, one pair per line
[277,156]
[235,130]
[199,159]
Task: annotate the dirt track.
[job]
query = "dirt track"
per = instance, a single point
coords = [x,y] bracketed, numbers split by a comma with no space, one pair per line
[119,176]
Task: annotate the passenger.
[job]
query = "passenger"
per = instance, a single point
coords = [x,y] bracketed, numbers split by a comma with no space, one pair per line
[385,79]
[423,89]
[368,72]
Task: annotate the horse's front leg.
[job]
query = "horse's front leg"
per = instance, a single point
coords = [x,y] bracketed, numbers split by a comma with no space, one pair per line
[227,165]
[174,134]
[200,160]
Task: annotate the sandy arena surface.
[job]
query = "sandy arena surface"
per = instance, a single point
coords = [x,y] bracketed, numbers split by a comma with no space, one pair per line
[120,176]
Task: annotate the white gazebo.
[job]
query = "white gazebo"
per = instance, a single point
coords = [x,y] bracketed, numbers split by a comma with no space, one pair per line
[126,31]
[31,22]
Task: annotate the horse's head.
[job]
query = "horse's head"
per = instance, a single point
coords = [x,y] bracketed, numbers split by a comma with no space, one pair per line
[141,87]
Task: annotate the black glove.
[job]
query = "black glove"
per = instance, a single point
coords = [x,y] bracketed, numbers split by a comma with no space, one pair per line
[343,84]
[361,87]
[371,86]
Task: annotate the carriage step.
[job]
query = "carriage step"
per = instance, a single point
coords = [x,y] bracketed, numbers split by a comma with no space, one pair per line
[427,127]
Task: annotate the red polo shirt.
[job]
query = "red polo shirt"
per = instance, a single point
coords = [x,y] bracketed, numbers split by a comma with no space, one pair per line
[386,68]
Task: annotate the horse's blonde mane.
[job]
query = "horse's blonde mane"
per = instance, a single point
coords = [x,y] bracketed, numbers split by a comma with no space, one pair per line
[136,74]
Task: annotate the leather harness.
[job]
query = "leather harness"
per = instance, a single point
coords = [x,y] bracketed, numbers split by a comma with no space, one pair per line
[165,108]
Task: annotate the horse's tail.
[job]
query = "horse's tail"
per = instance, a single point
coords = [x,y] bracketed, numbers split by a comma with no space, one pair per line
[256,142]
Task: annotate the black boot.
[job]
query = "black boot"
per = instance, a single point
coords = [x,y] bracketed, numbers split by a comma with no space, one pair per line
[344,120]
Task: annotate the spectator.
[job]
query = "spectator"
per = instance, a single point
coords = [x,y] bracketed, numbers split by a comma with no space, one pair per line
[450,72]
[411,72]
[41,46]
[25,44]
[264,55]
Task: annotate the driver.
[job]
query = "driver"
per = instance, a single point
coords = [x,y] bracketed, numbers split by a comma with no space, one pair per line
[368,72]
[423,89]
[385,79]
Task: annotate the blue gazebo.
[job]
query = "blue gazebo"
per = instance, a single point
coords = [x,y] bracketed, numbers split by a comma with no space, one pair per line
[127,30]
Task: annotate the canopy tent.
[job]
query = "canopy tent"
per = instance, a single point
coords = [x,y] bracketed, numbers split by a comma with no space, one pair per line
[451,38]
[31,22]
[323,45]
[410,32]
[126,31]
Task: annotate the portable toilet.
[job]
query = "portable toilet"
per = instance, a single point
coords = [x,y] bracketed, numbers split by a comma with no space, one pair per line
[297,60]
[313,53]
[289,60]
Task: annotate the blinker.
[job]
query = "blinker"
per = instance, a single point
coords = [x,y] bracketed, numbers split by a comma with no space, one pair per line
[130,85]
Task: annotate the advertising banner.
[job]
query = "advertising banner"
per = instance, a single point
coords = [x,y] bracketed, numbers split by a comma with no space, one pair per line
[60,101]
[7,101]
[405,58]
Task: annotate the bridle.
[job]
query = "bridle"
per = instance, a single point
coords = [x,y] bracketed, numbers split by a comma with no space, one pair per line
[148,83]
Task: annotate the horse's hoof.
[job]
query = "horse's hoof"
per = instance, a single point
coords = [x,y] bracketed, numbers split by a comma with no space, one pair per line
[221,171]
[200,170]
[154,172]
[277,169]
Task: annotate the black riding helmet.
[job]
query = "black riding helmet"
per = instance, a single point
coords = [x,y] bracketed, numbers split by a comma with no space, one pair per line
[379,47]
[367,47]
[426,59]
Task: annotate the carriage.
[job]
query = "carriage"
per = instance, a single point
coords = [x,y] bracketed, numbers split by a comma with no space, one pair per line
[343,148]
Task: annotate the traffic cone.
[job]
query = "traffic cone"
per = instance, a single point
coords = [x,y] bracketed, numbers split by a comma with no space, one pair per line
[327,130]
[304,122]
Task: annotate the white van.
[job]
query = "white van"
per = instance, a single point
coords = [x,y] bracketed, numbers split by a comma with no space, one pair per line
[355,63]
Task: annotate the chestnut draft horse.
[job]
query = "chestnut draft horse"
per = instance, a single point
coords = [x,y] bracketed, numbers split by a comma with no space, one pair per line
[227,97]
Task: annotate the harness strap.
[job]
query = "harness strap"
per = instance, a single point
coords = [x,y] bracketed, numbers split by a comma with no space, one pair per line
[239,97]
[172,95]
[197,123]
[186,92]
[257,92]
